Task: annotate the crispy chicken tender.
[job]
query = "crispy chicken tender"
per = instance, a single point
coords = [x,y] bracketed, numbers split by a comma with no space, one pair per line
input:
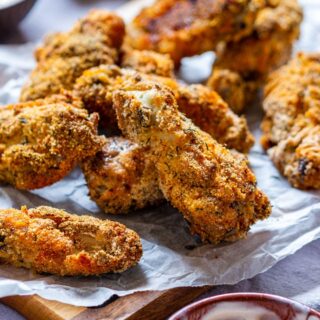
[122,177]
[97,85]
[94,40]
[42,141]
[246,63]
[185,28]
[215,191]
[148,62]
[49,240]
[291,126]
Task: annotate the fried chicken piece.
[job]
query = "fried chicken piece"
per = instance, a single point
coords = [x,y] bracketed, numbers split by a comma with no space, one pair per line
[94,40]
[291,126]
[215,191]
[42,141]
[203,106]
[185,28]
[148,62]
[246,63]
[232,88]
[210,113]
[122,177]
[49,240]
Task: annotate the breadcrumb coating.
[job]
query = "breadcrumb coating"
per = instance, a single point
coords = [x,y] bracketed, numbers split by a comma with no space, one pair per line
[42,141]
[122,177]
[148,62]
[255,56]
[49,240]
[94,40]
[185,28]
[215,191]
[291,126]
[97,85]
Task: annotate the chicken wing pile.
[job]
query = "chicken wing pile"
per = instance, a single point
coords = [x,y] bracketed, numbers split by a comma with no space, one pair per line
[291,127]
[207,110]
[215,191]
[64,56]
[250,38]
[42,141]
[170,140]
[50,240]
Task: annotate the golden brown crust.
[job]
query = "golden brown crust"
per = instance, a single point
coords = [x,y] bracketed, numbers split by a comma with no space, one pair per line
[49,240]
[255,56]
[291,126]
[122,178]
[210,113]
[94,40]
[148,62]
[185,28]
[203,106]
[42,141]
[215,191]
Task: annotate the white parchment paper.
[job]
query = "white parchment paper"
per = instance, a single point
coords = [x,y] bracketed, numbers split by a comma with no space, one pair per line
[171,257]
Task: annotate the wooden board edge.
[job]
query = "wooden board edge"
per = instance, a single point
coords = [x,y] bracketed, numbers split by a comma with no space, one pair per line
[150,305]
[34,307]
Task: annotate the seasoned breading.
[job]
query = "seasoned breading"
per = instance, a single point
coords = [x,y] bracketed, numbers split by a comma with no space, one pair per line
[122,177]
[291,126]
[203,106]
[255,56]
[215,191]
[231,87]
[185,28]
[148,62]
[42,141]
[49,240]
[210,113]
[94,40]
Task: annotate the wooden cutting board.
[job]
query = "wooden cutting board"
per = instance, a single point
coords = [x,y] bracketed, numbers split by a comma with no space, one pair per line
[150,305]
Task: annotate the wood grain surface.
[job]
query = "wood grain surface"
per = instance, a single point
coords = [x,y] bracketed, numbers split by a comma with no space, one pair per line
[149,305]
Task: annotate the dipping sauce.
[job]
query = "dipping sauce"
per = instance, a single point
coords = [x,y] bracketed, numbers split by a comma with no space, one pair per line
[239,311]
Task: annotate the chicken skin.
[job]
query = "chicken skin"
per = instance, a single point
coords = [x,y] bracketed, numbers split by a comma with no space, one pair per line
[208,111]
[255,56]
[94,40]
[185,28]
[215,191]
[122,177]
[49,240]
[42,141]
[291,126]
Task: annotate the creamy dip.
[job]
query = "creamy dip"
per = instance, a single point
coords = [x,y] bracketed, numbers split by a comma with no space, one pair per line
[239,311]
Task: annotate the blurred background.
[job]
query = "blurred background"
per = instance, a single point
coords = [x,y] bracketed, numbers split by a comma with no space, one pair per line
[45,16]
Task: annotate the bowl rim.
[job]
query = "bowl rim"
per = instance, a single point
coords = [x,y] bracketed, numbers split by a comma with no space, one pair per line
[248,296]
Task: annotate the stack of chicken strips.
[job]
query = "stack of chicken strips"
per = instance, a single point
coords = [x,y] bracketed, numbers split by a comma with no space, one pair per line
[104,96]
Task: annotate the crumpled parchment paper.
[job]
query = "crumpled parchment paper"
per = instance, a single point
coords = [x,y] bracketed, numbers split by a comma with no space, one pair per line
[172,258]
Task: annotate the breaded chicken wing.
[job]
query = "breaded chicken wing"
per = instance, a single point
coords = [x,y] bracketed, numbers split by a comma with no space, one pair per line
[203,106]
[255,56]
[148,62]
[122,177]
[49,240]
[215,191]
[42,141]
[291,126]
[94,40]
[185,28]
